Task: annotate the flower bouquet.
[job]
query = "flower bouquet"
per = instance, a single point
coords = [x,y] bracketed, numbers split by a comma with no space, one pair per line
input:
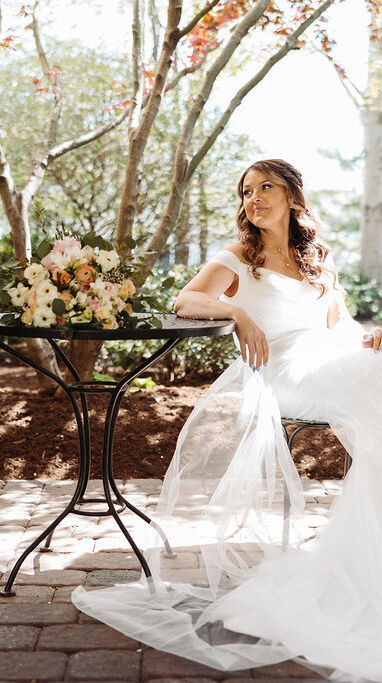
[73,281]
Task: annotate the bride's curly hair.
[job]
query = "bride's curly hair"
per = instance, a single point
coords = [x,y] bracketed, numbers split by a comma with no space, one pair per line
[309,251]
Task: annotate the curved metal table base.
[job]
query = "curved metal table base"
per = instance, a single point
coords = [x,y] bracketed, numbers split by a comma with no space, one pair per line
[80,388]
[303,424]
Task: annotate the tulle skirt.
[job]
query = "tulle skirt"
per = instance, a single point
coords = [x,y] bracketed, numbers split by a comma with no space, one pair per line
[249,602]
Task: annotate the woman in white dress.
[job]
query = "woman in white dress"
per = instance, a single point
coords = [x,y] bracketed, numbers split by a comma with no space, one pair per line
[249,603]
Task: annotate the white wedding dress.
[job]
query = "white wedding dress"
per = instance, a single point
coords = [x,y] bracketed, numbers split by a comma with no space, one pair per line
[248,603]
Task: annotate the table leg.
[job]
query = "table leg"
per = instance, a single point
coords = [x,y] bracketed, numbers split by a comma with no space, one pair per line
[7,592]
[117,392]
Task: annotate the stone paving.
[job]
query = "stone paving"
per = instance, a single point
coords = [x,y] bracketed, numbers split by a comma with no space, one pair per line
[43,637]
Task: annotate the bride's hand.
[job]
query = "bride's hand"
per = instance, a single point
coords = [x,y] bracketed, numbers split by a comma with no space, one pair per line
[374,340]
[251,337]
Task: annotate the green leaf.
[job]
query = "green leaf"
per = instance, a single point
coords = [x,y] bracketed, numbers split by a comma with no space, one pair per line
[90,239]
[58,306]
[168,282]
[155,322]
[129,242]
[100,242]
[99,377]
[43,248]
[8,319]
[144,383]
[5,299]
[108,245]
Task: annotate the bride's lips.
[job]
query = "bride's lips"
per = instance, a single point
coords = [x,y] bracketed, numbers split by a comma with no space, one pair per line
[260,208]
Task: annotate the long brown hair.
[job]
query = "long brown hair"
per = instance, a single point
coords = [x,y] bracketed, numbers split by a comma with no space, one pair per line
[309,251]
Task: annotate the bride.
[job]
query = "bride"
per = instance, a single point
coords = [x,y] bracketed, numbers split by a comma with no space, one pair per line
[249,601]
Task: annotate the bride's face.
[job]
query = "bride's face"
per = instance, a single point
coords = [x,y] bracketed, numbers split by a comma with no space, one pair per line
[265,203]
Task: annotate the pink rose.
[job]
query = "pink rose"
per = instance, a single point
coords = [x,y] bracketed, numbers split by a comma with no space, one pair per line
[61,245]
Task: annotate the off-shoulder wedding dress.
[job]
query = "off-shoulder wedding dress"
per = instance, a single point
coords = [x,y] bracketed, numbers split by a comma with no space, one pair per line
[248,603]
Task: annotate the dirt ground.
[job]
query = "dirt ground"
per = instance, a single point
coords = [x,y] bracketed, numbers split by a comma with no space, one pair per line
[38,434]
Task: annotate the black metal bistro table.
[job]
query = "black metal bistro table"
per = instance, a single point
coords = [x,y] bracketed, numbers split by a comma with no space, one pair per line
[174,330]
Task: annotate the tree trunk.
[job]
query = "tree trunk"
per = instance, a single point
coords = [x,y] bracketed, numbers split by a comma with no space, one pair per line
[203,216]
[371,258]
[42,353]
[83,355]
[182,233]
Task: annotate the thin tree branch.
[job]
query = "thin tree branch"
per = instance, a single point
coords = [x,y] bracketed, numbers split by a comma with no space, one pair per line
[359,92]
[245,89]
[52,78]
[190,69]
[153,14]
[198,17]
[136,98]
[37,175]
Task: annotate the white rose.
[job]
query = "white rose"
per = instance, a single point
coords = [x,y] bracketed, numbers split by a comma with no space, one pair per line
[44,317]
[35,272]
[107,260]
[87,253]
[18,294]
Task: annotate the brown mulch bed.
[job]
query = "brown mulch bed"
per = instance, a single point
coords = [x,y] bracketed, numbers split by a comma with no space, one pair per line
[38,433]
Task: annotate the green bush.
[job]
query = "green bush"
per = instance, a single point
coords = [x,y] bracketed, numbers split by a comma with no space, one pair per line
[196,358]
[364,296]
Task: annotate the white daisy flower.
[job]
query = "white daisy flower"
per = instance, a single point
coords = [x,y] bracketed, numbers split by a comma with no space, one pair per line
[107,260]
[35,272]
[44,317]
[46,291]
[81,299]
[18,294]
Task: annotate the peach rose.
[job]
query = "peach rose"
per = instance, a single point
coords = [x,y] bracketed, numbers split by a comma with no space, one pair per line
[85,274]
[110,323]
[129,309]
[101,314]
[27,317]
[62,277]
[127,289]
[67,297]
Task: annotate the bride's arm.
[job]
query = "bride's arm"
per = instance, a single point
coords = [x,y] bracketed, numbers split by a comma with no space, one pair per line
[200,299]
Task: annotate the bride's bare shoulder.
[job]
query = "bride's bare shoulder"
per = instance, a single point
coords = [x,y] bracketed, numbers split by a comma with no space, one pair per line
[237,249]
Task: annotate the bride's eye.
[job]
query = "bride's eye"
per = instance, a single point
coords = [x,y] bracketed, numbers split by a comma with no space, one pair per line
[246,193]
[266,185]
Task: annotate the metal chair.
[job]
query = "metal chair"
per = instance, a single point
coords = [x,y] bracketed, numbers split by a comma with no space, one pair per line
[302,424]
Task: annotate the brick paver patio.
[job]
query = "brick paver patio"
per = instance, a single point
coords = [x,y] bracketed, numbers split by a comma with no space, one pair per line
[43,637]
